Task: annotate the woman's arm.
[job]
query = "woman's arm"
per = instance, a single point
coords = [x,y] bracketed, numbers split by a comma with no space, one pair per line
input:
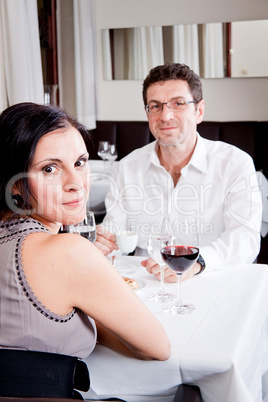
[85,279]
[106,338]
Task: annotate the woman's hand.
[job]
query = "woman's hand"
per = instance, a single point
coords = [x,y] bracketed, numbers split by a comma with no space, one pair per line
[105,240]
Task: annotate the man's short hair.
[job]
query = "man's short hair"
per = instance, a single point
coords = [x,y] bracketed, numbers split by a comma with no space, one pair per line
[174,71]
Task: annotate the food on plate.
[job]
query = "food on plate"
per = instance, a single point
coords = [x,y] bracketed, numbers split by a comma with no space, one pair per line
[131,282]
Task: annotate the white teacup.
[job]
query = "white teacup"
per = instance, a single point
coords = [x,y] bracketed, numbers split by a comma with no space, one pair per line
[127,241]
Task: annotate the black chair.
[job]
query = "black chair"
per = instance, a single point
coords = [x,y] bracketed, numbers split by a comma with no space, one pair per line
[32,399]
[29,374]
[188,393]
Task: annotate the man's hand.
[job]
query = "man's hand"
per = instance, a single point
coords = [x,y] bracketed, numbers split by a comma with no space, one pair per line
[195,269]
[169,275]
[153,268]
[105,241]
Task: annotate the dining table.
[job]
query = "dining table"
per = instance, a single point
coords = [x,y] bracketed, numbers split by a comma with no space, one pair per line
[222,346]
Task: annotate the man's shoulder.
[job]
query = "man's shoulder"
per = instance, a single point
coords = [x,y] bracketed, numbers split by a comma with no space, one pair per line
[224,149]
[139,153]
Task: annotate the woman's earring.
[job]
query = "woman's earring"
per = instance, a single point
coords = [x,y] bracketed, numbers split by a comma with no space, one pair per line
[17,200]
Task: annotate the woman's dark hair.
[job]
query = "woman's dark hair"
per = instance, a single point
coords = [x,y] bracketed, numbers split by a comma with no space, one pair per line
[174,71]
[21,127]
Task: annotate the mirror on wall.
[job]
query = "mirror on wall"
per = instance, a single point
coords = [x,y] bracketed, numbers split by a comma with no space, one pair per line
[213,50]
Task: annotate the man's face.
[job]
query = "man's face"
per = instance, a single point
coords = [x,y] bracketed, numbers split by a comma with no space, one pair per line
[173,128]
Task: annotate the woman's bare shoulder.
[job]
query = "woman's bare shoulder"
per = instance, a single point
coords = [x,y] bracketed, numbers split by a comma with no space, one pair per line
[60,249]
[61,265]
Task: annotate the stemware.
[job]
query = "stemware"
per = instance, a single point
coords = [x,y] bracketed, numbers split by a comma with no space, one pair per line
[154,244]
[112,154]
[103,150]
[86,228]
[180,251]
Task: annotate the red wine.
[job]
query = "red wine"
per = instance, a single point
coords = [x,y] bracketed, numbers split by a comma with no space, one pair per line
[180,258]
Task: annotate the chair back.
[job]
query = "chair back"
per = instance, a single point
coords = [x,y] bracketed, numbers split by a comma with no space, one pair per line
[26,373]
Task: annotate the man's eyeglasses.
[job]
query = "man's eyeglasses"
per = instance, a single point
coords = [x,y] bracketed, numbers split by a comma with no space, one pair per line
[175,105]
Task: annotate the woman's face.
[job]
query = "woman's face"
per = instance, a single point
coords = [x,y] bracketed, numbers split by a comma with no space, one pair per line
[59,178]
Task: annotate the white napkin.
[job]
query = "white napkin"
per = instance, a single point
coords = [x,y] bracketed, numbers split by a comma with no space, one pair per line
[263,184]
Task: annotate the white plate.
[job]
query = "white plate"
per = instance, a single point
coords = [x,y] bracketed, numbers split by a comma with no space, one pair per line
[127,264]
[125,269]
[141,284]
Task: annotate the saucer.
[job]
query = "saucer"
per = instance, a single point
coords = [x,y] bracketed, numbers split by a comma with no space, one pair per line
[124,268]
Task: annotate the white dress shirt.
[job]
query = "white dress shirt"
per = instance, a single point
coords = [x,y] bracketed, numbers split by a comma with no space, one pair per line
[218,187]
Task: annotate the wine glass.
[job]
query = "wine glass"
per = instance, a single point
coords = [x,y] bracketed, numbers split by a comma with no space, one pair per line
[112,154]
[86,228]
[180,252]
[103,150]
[154,244]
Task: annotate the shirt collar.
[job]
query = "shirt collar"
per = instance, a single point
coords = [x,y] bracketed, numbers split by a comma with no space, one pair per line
[153,156]
[198,159]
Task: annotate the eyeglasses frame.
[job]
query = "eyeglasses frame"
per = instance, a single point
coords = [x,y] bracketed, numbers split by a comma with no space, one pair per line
[166,103]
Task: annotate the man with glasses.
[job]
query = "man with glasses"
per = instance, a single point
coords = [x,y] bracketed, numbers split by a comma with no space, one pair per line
[183,174]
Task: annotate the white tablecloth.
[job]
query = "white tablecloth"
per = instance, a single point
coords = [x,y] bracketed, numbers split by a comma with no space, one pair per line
[222,346]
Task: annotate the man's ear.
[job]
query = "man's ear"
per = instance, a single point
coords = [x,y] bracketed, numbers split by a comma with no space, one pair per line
[146,113]
[200,111]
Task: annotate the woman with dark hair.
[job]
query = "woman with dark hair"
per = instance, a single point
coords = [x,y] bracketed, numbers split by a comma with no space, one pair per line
[22,126]
[58,293]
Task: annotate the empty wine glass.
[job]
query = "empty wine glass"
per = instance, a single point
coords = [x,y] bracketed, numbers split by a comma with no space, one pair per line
[180,251]
[154,244]
[112,154]
[103,150]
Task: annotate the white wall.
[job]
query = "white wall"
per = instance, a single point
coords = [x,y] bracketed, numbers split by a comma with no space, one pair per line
[227,99]
[250,52]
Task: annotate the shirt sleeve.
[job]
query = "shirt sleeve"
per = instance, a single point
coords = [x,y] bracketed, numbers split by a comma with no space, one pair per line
[240,240]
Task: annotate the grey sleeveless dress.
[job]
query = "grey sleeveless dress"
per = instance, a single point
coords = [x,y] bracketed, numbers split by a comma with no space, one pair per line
[24,322]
